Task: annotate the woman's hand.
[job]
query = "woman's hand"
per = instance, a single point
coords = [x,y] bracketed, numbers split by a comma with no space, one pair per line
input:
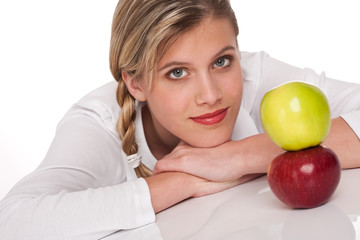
[214,164]
[206,187]
[194,172]
[227,162]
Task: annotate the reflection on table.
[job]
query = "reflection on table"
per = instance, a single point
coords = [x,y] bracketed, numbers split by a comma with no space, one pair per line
[251,211]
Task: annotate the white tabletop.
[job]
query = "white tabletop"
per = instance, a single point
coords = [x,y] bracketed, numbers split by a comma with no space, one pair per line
[251,211]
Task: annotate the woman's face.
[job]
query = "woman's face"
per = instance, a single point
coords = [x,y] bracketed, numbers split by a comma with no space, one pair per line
[197,89]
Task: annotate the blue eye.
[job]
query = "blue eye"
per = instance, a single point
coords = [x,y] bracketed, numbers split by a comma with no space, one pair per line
[222,62]
[177,73]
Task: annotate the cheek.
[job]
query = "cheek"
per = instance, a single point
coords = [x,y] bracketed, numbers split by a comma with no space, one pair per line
[167,108]
[234,88]
[171,99]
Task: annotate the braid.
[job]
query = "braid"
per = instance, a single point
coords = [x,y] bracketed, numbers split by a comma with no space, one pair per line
[126,127]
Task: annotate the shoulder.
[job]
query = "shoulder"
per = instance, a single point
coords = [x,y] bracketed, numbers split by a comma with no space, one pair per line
[251,64]
[99,105]
[102,98]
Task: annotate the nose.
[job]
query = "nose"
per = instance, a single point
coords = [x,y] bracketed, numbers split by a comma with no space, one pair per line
[208,91]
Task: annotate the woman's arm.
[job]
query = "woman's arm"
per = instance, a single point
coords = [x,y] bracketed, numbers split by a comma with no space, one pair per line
[227,162]
[169,188]
[252,155]
[341,139]
[80,190]
[345,143]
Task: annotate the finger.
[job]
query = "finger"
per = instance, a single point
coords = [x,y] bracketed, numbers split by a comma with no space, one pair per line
[182,143]
[166,165]
[179,162]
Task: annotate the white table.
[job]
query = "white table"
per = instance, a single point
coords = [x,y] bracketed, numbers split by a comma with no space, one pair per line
[251,211]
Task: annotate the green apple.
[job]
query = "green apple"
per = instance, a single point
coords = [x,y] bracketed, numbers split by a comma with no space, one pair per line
[296,115]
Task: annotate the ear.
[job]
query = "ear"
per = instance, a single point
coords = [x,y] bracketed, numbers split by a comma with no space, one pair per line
[133,86]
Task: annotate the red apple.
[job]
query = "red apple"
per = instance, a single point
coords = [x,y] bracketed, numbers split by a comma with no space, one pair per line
[305,178]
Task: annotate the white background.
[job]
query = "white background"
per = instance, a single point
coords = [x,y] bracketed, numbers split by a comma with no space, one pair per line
[54,52]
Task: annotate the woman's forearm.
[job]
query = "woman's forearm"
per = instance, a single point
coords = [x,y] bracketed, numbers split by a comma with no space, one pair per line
[260,150]
[169,188]
[344,142]
[256,152]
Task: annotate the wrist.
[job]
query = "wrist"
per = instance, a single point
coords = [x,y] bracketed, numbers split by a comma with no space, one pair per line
[168,188]
[257,151]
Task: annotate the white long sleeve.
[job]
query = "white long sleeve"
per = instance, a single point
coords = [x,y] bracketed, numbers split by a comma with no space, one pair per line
[82,189]
[344,100]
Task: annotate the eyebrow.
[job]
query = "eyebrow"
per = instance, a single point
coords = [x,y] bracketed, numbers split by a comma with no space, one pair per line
[175,63]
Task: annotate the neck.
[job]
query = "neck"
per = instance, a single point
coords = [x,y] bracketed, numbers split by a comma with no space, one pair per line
[160,141]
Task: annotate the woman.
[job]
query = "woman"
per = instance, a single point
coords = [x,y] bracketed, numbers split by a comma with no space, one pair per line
[181,121]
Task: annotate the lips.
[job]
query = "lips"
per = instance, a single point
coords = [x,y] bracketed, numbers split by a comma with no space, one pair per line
[211,118]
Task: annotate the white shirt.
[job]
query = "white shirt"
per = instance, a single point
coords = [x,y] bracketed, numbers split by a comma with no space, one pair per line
[85,189]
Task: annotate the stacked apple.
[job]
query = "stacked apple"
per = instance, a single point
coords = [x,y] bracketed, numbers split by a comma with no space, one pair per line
[296,116]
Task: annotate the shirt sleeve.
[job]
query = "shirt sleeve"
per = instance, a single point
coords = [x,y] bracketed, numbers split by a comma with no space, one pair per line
[80,190]
[344,100]
[263,73]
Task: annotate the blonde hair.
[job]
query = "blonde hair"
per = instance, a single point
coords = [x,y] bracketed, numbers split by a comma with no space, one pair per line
[142,31]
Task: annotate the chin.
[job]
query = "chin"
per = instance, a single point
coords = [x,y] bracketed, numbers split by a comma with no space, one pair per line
[209,142]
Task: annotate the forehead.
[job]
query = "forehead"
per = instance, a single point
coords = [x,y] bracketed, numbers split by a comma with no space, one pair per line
[205,39]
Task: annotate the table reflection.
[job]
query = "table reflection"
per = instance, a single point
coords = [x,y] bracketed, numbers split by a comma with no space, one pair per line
[251,211]
[325,222]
